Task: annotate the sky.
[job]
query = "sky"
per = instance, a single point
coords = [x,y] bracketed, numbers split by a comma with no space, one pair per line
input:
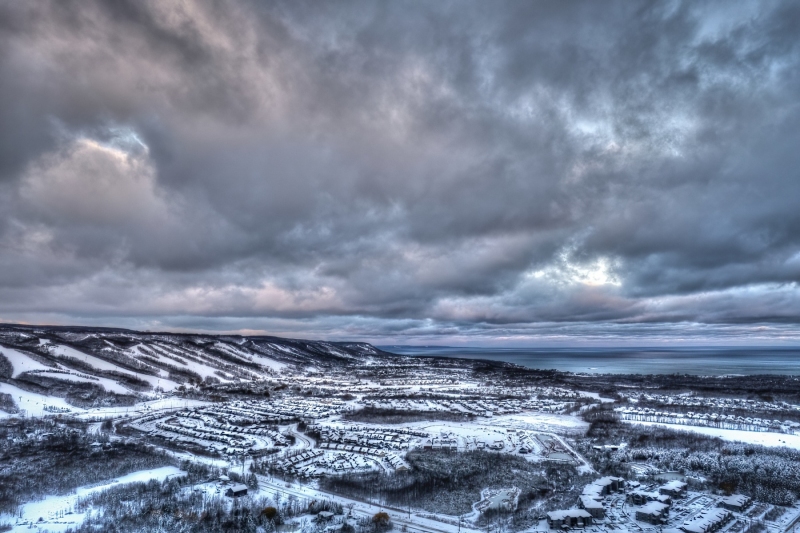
[484,173]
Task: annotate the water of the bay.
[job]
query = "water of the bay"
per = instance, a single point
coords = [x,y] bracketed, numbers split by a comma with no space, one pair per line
[697,361]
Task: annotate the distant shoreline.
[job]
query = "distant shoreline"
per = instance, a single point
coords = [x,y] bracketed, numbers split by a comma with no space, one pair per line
[711,361]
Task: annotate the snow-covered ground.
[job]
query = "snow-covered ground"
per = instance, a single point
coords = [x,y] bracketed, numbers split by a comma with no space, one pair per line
[56,513]
[751,437]
[260,359]
[596,396]
[108,384]
[101,364]
[544,422]
[158,351]
[22,362]
[34,404]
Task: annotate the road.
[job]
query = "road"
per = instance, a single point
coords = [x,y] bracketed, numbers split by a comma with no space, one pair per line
[301,441]
[362,508]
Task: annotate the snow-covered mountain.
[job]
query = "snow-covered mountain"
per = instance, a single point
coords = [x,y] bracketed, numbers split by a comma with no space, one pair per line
[100,363]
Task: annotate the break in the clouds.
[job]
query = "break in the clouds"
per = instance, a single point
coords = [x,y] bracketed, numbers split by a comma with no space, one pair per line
[404,171]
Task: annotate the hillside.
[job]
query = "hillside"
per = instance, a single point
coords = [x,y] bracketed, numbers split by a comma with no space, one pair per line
[101,366]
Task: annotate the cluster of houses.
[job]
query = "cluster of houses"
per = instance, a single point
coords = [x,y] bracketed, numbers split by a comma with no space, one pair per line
[721,403]
[208,429]
[652,507]
[708,521]
[444,443]
[736,502]
[328,460]
[214,441]
[396,439]
[383,455]
[655,505]
[405,382]
[471,405]
[294,465]
[261,430]
[709,419]
[281,410]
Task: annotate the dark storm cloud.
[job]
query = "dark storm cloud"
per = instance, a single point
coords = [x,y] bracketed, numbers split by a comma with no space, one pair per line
[502,172]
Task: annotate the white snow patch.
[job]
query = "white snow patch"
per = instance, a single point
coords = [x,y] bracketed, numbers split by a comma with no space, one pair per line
[95,362]
[750,437]
[545,422]
[101,364]
[596,396]
[22,362]
[52,510]
[32,402]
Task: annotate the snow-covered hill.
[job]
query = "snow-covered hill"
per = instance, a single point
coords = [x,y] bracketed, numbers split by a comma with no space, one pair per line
[87,365]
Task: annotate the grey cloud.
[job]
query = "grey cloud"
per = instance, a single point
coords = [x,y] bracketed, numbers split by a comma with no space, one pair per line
[402,170]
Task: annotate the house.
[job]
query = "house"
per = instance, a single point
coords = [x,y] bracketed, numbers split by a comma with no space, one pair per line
[641,497]
[603,486]
[236,490]
[610,484]
[675,488]
[736,502]
[593,507]
[653,512]
[708,521]
[569,518]
[325,516]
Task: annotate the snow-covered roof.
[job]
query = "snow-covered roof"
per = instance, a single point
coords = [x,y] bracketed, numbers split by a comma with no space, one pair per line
[653,507]
[590,503]
[736,500]
[704,522]
[568,513]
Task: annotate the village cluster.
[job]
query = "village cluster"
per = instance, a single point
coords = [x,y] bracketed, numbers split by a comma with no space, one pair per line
[487,407]
[722,421]
[234,428]
[340,459]
[613,502]
[329,445]
[722,404]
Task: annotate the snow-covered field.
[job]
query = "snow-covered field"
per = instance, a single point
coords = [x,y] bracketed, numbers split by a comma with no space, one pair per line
[544,422]
[56,513]
[21,362]
[101,364]
[735,435]
[34,404]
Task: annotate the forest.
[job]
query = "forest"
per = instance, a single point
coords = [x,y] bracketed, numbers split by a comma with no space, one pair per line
[38,458]
[449,483]
[178,505]
[771,475]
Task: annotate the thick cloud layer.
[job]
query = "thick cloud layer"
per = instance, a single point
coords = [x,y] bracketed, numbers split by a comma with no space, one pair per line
[401,172]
